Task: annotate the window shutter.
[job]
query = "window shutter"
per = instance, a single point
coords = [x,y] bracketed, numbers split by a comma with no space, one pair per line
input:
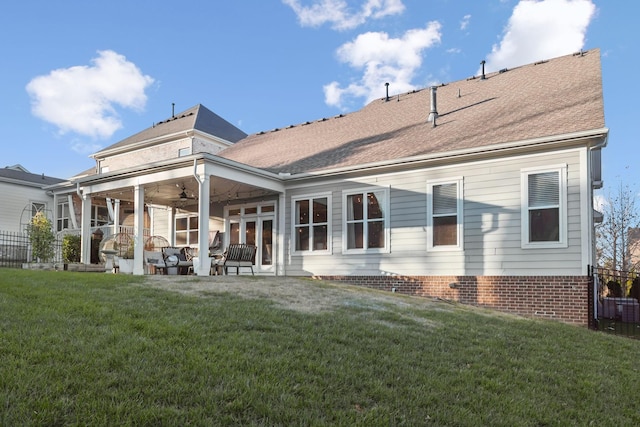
[544,189]
[445,199]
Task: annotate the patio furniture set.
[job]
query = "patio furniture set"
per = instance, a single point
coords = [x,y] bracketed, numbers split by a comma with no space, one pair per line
[172,260]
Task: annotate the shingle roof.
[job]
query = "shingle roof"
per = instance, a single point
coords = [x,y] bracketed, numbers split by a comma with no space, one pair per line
[21,176]
[195,118]
[554,97]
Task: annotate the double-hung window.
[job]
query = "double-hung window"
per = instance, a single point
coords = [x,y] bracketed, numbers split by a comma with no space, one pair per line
[544,207]
[63,221]
[444,214]
[366,216]
[311,223]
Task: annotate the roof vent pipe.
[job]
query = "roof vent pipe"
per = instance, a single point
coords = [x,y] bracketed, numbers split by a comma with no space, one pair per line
[433,114]
[482,77]
[387,98]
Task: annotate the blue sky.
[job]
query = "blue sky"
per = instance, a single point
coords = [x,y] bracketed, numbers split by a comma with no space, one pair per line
[78,76]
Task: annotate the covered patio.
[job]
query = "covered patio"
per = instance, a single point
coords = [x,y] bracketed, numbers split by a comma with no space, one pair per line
[202,185]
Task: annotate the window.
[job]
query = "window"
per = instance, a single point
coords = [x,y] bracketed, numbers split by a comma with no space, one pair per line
[544,195]
[38,207]
[187,230]
[365,220]
[311,223]
[99,216]
[444,214]
[63,216]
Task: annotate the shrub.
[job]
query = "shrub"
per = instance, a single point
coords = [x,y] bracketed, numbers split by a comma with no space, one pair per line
[71,248]
[41,237]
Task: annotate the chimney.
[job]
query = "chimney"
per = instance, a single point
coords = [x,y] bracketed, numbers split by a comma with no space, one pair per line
[433,114]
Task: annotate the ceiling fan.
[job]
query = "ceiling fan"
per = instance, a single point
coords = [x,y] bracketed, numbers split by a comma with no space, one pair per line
[183,196]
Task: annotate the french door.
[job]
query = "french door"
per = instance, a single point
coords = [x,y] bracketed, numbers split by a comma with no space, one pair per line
[254,225]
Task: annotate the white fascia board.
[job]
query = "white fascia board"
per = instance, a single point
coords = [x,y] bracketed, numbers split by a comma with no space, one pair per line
[180,168]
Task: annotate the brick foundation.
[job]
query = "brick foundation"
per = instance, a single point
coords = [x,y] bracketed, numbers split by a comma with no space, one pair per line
[561,298]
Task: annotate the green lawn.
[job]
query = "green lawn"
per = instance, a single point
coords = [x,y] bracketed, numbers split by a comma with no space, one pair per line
[98,349]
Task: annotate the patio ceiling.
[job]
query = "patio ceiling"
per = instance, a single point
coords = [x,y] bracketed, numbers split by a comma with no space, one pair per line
[168,192]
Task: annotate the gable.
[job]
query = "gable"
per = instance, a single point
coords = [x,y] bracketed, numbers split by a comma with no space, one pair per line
[197,118]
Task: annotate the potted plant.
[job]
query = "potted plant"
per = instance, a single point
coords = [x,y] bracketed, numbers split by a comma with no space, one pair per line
[124,246]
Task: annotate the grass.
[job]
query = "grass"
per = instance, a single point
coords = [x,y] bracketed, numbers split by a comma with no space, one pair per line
[97,349]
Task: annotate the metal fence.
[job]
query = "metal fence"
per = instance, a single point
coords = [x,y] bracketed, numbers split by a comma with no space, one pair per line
[614,300]
[15,249]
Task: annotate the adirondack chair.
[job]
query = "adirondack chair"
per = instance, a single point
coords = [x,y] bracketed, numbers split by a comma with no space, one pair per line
[238,255]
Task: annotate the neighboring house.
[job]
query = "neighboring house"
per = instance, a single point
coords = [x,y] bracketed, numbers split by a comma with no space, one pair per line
[24,194]
[633,239]
[479,190]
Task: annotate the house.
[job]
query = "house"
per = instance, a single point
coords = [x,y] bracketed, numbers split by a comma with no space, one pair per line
[24,194]
[479,190]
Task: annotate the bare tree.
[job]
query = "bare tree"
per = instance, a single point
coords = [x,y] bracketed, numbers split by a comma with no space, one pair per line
[617,235]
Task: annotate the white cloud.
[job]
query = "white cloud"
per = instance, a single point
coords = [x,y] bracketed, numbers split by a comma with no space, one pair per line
[81,99]
[340,15]
[465,22]
[382,59]
[540,30]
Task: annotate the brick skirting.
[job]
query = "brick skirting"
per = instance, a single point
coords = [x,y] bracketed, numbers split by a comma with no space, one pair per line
[561,298]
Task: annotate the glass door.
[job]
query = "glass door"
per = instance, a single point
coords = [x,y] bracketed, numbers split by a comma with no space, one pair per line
[254,225]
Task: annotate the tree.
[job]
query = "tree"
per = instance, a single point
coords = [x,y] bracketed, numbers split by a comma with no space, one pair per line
[616,239]
[41,237]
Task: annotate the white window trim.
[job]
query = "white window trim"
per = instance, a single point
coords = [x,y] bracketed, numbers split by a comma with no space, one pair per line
[386,220]
[312,251]
[524,207]
[459,246]
[188,230]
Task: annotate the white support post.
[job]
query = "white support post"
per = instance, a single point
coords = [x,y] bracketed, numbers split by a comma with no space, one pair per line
[138,230]
[116,216]
[171,223]
[85,227]
[280,233]
[204,262]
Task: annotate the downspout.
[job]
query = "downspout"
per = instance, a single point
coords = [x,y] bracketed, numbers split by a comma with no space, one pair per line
[195,173]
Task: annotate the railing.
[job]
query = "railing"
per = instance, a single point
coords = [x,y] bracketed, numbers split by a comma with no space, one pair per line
[615,301]
[15,249]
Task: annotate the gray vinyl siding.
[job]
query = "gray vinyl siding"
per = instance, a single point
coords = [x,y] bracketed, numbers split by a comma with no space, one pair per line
[492,224]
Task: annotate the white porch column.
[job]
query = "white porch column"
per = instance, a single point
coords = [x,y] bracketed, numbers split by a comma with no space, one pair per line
[138,230]
[85,230]
[171,223]
[116,216]
[204,262]
[281,261]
